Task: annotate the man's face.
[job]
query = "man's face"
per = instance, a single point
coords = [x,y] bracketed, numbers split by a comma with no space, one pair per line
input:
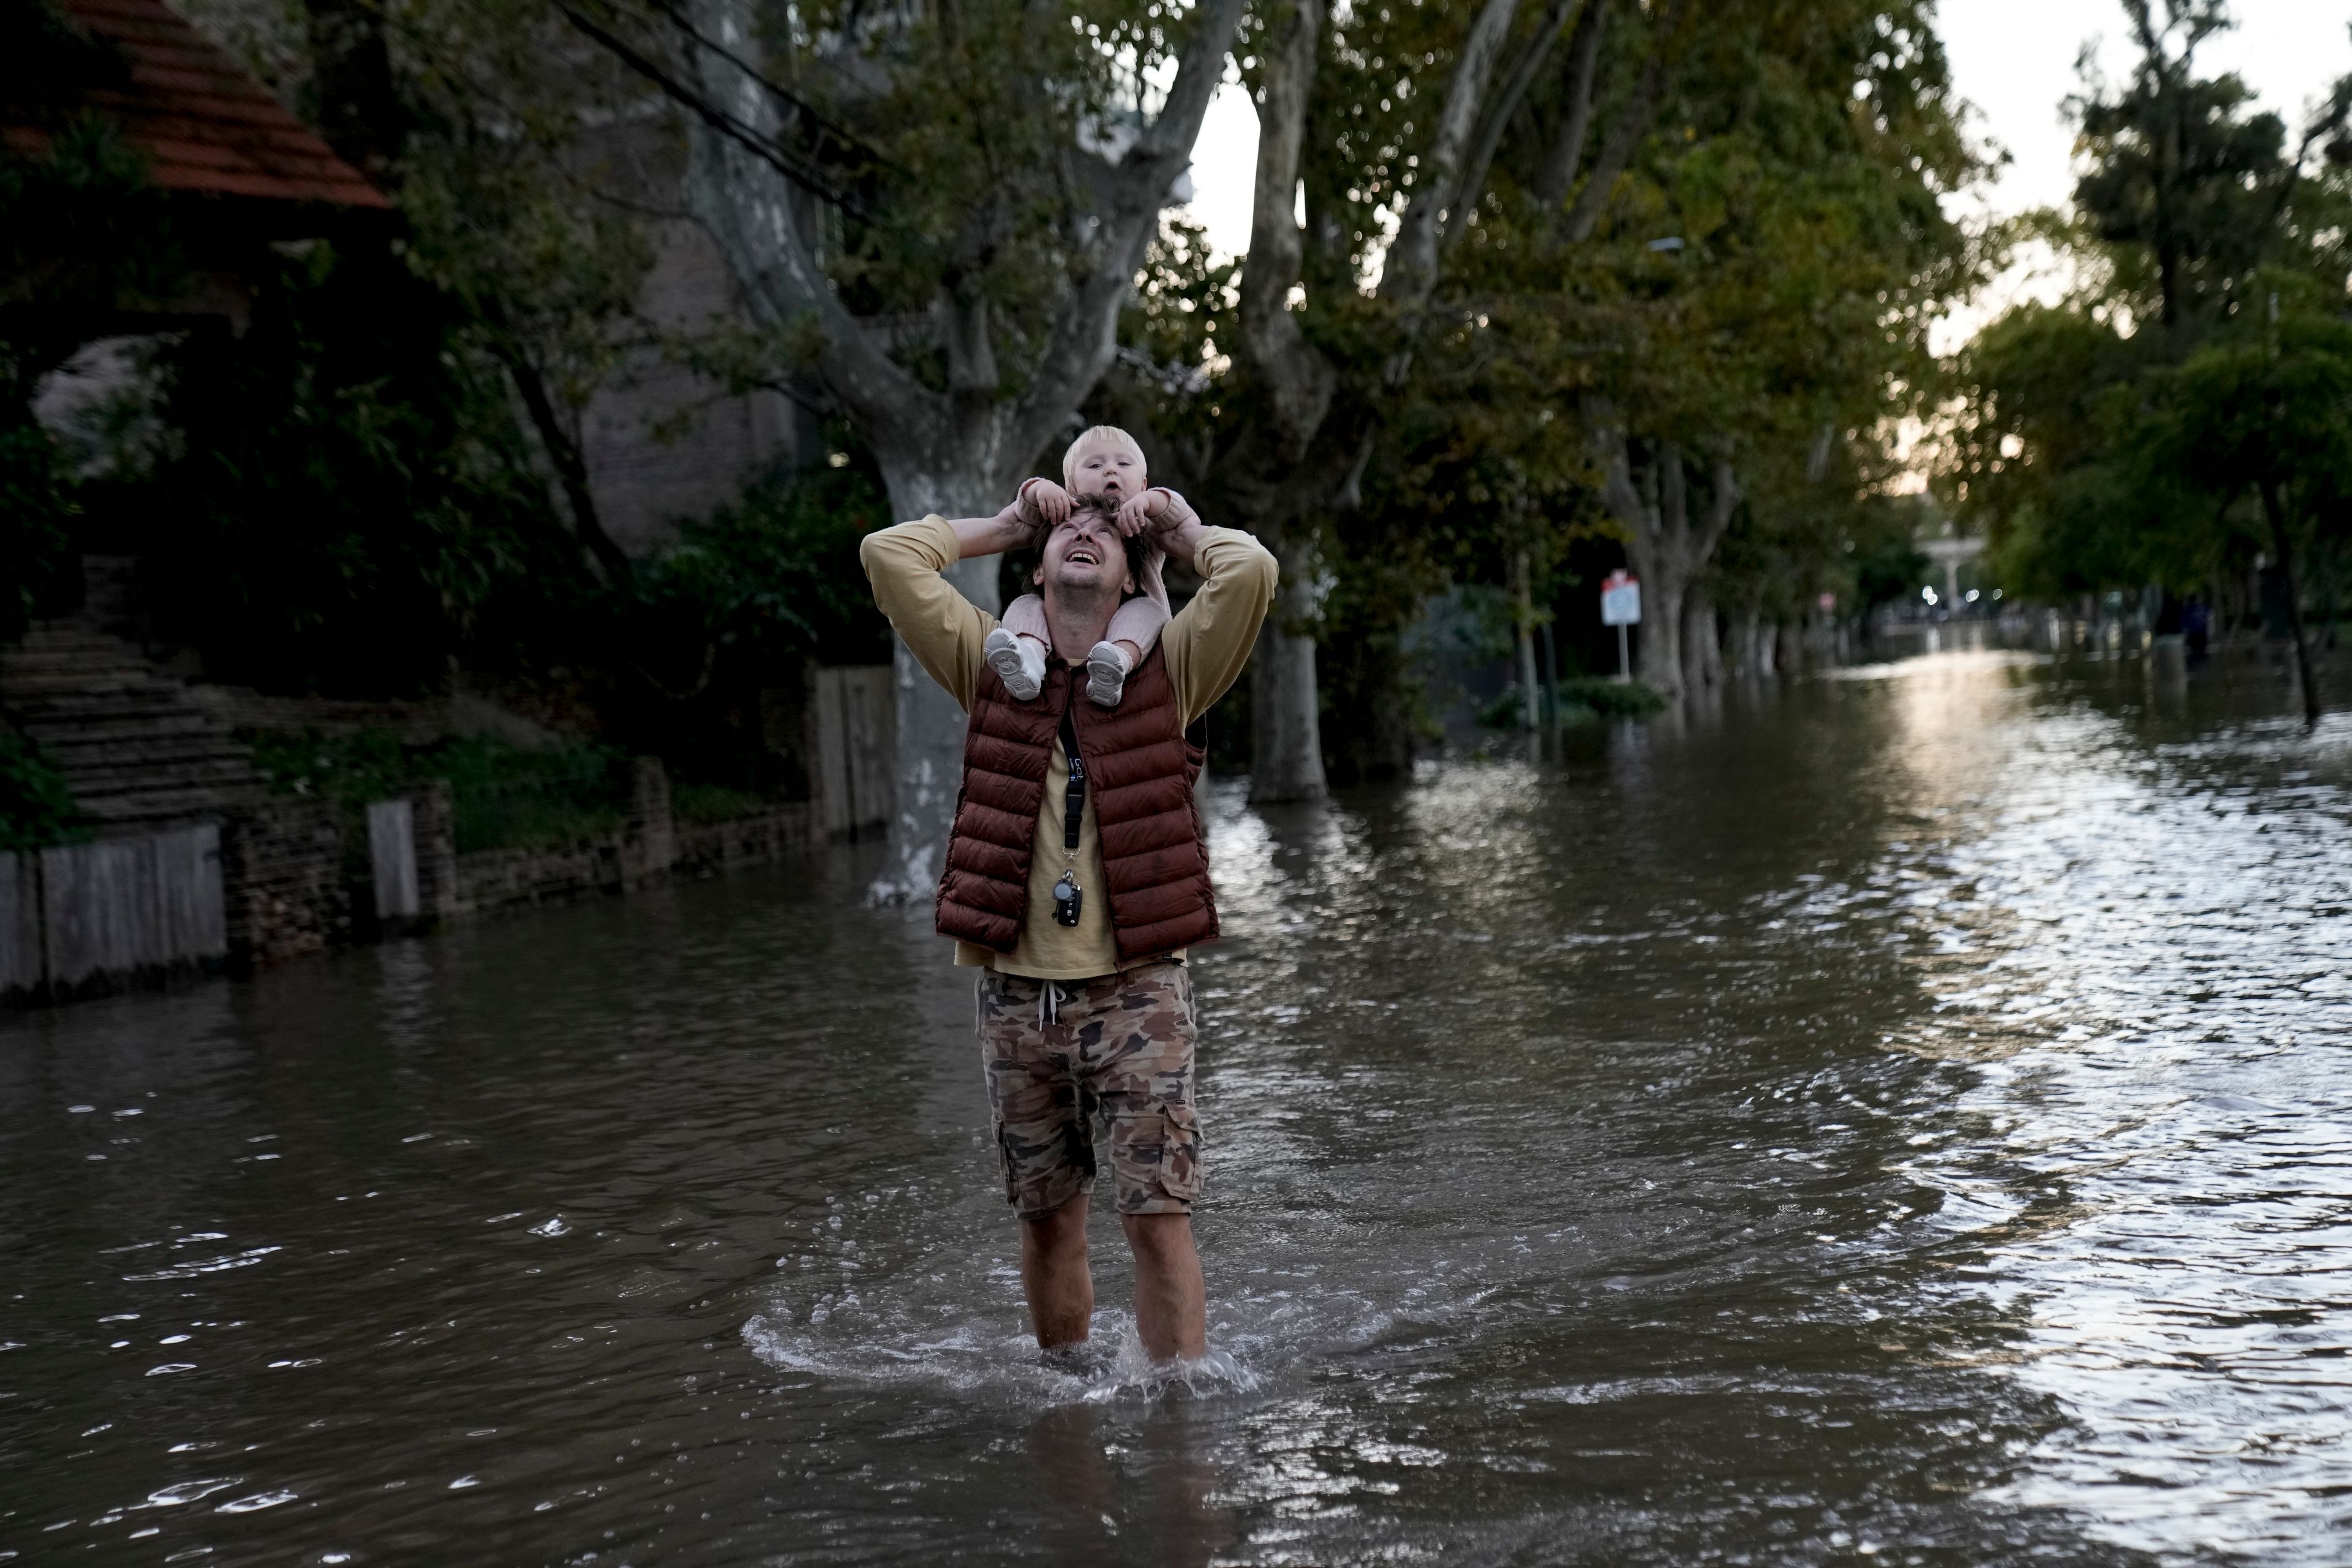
[1085,554]
[1111,468]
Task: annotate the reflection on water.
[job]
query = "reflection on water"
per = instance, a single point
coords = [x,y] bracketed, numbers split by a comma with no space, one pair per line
[1901,1118]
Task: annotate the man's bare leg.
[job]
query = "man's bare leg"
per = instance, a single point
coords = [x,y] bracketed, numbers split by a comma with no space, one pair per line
[1171,1313]
[1054,1276]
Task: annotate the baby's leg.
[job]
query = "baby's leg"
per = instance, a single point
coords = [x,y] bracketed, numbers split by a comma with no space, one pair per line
[1138,623]
[1134,628]
[1025,617]
[1016,649]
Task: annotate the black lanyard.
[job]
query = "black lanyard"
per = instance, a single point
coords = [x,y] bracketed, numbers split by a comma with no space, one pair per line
[1073,797]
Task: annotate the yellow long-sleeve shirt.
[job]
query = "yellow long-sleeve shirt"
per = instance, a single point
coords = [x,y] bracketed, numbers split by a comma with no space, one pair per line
[1205,647]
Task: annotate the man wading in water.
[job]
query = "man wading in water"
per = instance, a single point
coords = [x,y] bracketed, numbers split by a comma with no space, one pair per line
[1075,889]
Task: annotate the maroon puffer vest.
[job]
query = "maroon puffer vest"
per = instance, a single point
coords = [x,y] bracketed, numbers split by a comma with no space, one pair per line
[1140,771]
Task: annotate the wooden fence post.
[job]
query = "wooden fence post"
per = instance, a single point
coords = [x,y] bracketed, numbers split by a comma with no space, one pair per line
[392,859]
[853,747]
[653,830]
[22,971]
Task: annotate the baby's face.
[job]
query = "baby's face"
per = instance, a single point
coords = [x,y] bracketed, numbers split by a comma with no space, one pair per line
[1111,468]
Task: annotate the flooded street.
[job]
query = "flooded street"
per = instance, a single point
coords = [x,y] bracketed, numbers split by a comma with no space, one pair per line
[1904,1116]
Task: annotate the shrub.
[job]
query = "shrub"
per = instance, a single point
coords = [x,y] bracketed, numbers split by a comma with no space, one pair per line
[1617,699]
[36,808]
[502,796]
[712,802]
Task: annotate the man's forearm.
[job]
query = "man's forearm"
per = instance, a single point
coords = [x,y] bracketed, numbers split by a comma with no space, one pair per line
[977,536]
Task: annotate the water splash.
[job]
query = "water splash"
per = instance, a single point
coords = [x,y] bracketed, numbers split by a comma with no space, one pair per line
[987,1358]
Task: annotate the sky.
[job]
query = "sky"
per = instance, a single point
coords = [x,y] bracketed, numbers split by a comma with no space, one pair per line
[2013,59]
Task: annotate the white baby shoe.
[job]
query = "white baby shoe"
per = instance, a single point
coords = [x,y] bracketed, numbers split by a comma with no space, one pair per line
[1018,661]
[1106,674]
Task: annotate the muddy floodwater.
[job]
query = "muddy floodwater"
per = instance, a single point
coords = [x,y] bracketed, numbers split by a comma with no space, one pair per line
[1906,1117]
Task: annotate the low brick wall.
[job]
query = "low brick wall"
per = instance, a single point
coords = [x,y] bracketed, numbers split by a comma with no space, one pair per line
[507,878]
[706,848]
[288,891]
[654,845]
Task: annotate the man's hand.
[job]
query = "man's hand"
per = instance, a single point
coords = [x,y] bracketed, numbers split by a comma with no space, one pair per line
[1011,528]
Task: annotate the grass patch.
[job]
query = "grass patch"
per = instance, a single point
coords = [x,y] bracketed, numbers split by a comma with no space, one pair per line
[36,810]
[1615,699]
[502,796]
[700,803]
[1579,698]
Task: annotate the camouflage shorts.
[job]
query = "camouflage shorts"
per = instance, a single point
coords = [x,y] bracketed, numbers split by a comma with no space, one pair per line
[1117,1050]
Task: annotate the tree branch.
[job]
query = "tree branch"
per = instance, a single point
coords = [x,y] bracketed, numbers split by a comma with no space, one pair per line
[1632,124]
[1411,273]
[1501,111]
[1085,336]
[1567,155]
[1297,378]
[749,204]
[1720,506]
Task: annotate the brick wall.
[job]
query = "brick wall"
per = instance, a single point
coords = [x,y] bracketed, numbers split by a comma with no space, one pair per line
[288,891]
[709,847]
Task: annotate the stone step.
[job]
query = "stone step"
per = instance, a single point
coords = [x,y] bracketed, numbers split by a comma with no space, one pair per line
[100,771]
[91,706]
[135,749]
[89,784]
[43,640]
[100,730]
[33,684]
[78,750]
[167,800]
[88,666]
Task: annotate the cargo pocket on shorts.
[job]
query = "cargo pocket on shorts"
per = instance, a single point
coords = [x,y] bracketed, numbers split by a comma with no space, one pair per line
[1180,1153]
[1008,1165]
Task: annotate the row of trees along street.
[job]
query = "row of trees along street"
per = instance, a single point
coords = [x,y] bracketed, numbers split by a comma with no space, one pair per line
[2181,418]
[1533,287]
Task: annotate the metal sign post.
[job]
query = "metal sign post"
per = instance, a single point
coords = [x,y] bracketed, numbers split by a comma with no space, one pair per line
[1621,606]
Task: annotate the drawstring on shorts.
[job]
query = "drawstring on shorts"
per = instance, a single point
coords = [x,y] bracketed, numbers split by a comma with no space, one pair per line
[1050,998]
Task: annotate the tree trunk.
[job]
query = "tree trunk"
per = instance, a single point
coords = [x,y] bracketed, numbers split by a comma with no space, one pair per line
[1299,455]
[1668,547]
[1702,642]
[929,725]
[1287,762]
[1658,640]
[2275,510]
[1745,656]
[1524,615]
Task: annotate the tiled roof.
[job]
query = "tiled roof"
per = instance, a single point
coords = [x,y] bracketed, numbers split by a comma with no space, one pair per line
[205,124]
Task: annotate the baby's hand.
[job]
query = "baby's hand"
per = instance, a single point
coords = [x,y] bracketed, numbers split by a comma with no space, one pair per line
[1046,503]
[1137,515]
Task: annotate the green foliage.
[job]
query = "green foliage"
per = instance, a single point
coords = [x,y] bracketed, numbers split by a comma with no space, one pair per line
[503,796]
[1886,565]
[506,798]
[1792,181]
[34,509]
[712,802]
[1615,699]
[1581,697]
[36,808]
[343,498]
[2126,435]
[772,578]
[82,233]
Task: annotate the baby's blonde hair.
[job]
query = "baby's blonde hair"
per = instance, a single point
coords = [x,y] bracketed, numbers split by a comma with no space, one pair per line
[1099,433]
